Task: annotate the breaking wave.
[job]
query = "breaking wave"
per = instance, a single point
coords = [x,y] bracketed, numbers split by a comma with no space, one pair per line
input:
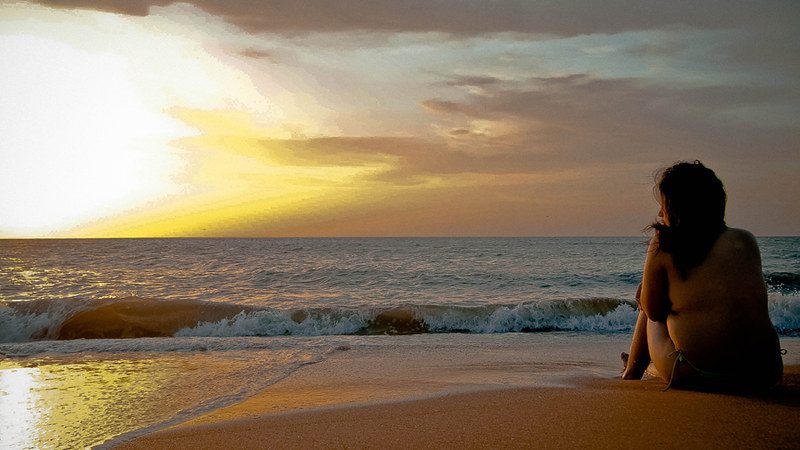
[137,318]
[783,282]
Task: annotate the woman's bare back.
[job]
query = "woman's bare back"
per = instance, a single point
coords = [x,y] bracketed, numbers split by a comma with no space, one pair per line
[718,316]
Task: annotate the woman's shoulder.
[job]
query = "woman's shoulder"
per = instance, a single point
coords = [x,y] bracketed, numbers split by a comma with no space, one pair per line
[739,238]
[737,245]
[739,233]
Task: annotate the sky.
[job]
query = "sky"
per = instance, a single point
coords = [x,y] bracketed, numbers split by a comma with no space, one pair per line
[387,118]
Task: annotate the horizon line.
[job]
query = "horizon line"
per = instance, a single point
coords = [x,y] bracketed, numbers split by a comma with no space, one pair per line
[54,238]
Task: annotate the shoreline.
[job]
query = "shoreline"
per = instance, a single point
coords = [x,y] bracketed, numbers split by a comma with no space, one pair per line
[508,396]
[595,413]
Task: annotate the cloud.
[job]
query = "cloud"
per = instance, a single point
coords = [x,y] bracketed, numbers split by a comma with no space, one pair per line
[449,107]
[473,81]
[401,161]
[477,108]
[470,17]
[773,49]
[377,159]
[257,54]
[127,7]
[582,118]
[563,123]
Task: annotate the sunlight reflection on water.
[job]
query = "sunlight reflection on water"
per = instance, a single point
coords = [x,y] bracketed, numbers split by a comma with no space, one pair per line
[77,404]
[74,402]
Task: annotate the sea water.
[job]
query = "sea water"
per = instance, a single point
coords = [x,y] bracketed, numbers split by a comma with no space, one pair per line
[207,322]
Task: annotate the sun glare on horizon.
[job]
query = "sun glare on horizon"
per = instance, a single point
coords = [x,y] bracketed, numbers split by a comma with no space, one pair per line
[89,131]
[91,146]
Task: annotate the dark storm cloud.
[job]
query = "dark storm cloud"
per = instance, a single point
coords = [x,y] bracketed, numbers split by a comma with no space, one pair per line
[127,7]
[471,17]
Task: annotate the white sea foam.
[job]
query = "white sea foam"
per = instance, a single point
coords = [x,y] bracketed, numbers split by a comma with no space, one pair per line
[603,315]
[279,323]
[155,345]
[532,317]
[23,324]
[17,327]
[785,313]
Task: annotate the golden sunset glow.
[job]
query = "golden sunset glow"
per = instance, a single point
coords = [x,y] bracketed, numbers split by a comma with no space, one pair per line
[187,120]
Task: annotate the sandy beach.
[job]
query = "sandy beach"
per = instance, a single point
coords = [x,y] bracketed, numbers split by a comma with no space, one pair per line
[490,396]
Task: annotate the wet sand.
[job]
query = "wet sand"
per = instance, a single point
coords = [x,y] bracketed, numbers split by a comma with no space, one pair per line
[397,399]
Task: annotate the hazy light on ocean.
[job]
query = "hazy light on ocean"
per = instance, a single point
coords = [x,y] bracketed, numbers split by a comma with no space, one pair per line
[19,416]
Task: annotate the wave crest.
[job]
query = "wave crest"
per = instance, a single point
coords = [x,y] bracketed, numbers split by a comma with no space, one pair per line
[605,315]
[135,317]
[784,282]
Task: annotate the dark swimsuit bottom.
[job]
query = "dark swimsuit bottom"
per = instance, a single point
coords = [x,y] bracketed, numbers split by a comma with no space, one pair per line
[705,377]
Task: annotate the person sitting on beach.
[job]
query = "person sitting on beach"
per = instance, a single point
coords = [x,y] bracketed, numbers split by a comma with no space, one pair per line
[703,317]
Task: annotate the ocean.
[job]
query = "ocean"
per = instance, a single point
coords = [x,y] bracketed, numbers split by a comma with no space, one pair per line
[101,338]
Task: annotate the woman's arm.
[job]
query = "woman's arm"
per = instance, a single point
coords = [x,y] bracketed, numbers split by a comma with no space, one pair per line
[654,298]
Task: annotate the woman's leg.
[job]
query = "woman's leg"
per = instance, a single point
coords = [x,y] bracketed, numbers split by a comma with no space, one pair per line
[661,349]
[639,356]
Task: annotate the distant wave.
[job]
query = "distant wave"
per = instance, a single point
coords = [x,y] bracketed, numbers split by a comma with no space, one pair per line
[136,318]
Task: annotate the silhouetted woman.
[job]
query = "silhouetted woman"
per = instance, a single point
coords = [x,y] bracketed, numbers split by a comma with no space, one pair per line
[703,317]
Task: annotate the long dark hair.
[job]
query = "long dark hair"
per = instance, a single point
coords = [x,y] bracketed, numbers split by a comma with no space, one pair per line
[695,206]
